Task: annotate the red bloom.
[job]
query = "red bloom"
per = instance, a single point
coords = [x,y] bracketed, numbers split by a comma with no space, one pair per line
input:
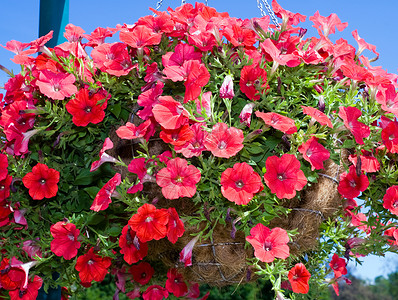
[298,278]
[227,88]
[142,272]
[3,167]
[246,114]
[350,117]
[223,141]
[177,137]
[130,131]
[198,77]
[41,182]
[327,24]
[314,153]
[155,292]
[390,199]
[65,241]
[317,115]
[389,135]
[284,176]
[30,293]
[57,86]
[240,183]
[253,81]
[103,198]
[277,121]
[88,108]
[91,266]
[175,227]
[338,265]
[178,179]
[133,249]
[351,185]
[175,283]
[170,114]
[149,223]
[5,187]
[141,36]
[11,277]
[195,146]
[269,244]
[369,163]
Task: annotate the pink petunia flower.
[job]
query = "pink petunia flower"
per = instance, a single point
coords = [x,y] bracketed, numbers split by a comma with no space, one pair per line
[57,86]
[65,242]
[277,121]
[103,198]
[314,153]
[269,243]
[223,141]
[178,179]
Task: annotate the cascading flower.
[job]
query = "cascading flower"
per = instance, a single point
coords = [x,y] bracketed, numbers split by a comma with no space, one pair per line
[132,248]
[155,292]
[103,198]
[57,86]
[175,283]
[277,121]
[338,265]
[314,152]
[178,179]
[283,175]
[41,182]
[223,141]
[92,266]
[142,273]
[149,223]
[65,242]
[240,183]
[175,227]
[269,243]
[351,185]
[298,278]
[390,199]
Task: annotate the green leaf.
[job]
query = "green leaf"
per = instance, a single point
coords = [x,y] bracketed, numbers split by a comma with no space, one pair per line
[115,109]
[92,191]
[84,178]
[96,219]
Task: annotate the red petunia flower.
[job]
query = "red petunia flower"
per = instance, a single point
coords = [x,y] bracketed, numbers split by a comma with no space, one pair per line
[351,185]
[177,137]
[350,117]
[11,277]
[197,77]
[240,183]
[103,198]
[195,146]
[284,176]
[389,136]
[149,223]
[155,292]
[170,114]
[246,114]
[178,179]
[3,167]
[223,141]
[131,247]
[175,227]
[142,273]
[390,199]
[57,86]
[5,187]
[130,131]
[338,265]
[298,278]
[91,266]
[269,244]
[314,153]
[317,115]
[253,81]
[277,121]
[140,36]
[175,283]
[88,108]
[30,292]
[369,163]
[65,241]
[41,182]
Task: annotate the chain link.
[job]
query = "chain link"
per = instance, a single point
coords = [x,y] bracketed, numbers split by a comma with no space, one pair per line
[269,10]
[183,2]
[159,4]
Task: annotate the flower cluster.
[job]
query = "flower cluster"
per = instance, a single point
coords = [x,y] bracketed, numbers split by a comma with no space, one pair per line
[194,120]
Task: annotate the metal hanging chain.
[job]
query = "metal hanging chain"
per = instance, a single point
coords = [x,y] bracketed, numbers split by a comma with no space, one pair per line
[269,10]
[160,2]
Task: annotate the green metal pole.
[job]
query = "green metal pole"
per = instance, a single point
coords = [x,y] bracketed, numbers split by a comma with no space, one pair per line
[54,15]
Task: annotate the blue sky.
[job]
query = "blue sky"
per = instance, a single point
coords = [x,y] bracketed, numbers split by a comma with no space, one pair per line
[376,22]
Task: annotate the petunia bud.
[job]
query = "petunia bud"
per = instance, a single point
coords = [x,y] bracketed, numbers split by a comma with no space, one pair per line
[227,88]
[186,253]
[246,113]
